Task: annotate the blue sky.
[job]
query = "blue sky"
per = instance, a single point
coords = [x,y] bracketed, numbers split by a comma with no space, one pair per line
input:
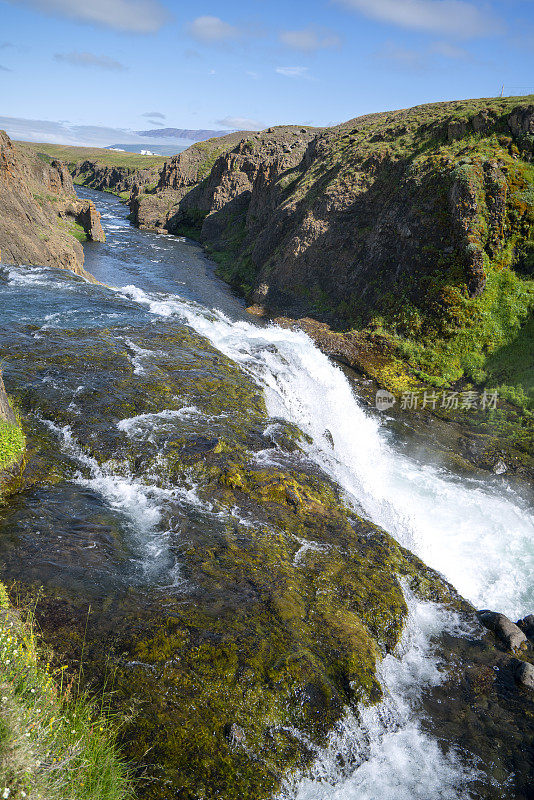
[72,69]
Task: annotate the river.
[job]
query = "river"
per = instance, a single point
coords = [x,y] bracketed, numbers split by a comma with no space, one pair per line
[475,530]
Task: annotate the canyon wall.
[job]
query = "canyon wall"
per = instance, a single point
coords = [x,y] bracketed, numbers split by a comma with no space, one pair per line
[42,221]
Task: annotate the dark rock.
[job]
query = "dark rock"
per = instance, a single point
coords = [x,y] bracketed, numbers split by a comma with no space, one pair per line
[527,625]
[521,120]
[507,631]
[6,412]
[456,130]
[119,180]
[235,734]
[199,446]
[524,675]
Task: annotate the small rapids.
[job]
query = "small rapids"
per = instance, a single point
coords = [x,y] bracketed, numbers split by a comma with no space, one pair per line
[476,532]
[383,753]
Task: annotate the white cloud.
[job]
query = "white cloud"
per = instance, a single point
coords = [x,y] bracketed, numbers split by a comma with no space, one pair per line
[309,39]
[448,17]
[38,130]
[240,124]
[293,72]
[84,59]
[153,115]
[134,16]
[212,29]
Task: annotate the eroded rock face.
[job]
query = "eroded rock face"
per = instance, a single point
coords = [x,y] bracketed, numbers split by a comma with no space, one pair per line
[42,220]
[219,175]
[86,215]
[380,213]
[6,412]
[119,180]
[522,121]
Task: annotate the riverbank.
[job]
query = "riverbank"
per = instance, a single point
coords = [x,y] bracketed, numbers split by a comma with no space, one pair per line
[54,742]
[319,227]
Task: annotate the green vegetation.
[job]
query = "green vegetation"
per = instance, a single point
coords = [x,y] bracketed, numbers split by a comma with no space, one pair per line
[12,444]
[54,743]
[487,342]
[111,158]
[76,230]
[212,153]
[449,287]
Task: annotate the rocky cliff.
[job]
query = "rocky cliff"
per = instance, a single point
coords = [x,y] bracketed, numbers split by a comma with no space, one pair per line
[416,225]
[119,180]
[42,220]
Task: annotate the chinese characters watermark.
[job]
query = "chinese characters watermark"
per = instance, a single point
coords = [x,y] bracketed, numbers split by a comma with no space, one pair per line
[433,400]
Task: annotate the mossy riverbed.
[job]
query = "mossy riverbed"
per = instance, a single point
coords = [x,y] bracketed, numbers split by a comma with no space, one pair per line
[280,601]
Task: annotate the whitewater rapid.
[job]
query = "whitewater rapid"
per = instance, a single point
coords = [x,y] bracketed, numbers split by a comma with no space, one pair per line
[479,536]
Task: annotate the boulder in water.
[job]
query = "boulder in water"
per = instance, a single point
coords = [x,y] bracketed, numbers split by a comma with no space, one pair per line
[527,625]
[524,675]
[507,631]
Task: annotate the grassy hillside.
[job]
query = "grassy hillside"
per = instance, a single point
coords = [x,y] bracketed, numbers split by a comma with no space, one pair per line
[54,744]
[111,158]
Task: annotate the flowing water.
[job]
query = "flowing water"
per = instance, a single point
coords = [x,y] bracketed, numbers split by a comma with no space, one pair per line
[116,522]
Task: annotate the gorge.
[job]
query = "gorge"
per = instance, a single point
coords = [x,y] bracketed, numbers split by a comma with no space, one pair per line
[283,581]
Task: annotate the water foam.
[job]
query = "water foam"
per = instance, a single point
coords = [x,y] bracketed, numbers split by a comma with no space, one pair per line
[448,522]
[142,426]
[381,752]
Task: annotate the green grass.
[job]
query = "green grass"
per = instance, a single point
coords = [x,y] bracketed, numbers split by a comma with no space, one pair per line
[54,744]
[12,444]
[511,368]
[76,230]
[489,330]
[111,158]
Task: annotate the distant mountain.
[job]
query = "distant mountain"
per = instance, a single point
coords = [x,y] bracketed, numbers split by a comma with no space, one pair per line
[181,133]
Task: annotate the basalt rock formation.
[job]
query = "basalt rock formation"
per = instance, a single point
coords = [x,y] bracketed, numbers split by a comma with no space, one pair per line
[209,177]
[414,228]
[380,212]
[42,221]
[116,179]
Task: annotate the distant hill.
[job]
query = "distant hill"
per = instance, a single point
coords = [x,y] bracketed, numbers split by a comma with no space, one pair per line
[182,133]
